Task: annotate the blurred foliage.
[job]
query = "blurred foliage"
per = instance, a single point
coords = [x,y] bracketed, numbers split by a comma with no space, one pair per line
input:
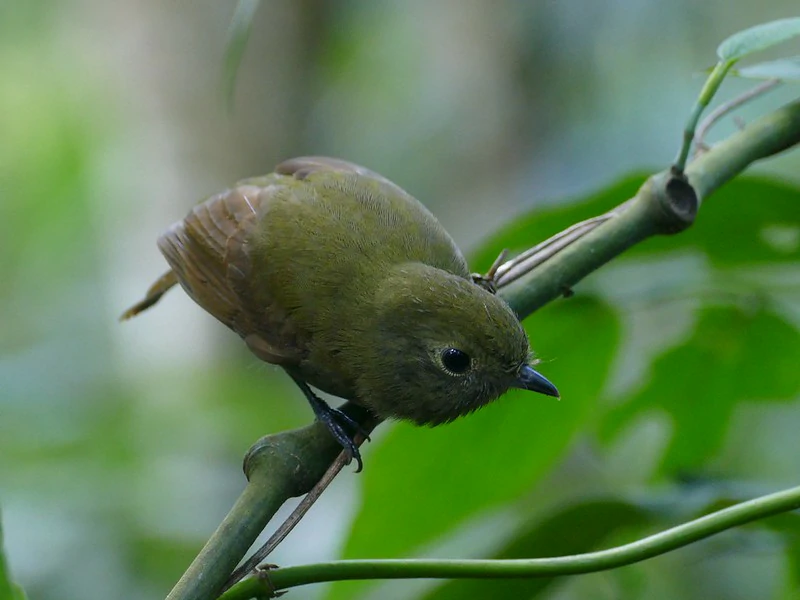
[120,446]
[8,590]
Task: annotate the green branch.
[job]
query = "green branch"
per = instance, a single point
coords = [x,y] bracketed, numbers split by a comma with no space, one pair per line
[663,205]
[286,465]
[278,467]
[268,582]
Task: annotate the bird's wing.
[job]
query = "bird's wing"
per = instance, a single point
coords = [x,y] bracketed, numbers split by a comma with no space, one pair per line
[209,252]
[197,250]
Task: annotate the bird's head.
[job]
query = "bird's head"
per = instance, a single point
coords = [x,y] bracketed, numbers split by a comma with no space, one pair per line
[441,347]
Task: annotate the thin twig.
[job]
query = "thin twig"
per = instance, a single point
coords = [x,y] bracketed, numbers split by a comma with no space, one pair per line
[522,264]
[727,107]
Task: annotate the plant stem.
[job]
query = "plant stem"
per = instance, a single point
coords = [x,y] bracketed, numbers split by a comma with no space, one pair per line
[654,545]
[278,467]
[764,137]
[650,211]
[731,105]
[706,94]
[248,517]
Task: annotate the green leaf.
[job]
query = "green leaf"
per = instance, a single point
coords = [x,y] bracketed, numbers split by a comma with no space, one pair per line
[788,527]
[733,356]
[422,483]
[786,69]
[758,38]
[746,210]
[239,33]
[8,590]
[571,530]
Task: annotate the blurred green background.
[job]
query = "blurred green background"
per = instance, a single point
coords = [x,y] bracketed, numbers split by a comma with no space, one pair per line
[121,444]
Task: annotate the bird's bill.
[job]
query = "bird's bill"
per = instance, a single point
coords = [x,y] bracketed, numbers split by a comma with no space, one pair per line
[528,379]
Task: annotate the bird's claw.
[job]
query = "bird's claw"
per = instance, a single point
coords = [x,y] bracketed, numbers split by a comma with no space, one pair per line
[333,419]
[350,422]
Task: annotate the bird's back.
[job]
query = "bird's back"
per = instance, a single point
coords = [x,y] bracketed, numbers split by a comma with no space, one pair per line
[281,255]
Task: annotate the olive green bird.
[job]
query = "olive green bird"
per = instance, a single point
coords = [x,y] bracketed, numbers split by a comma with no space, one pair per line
[354,288]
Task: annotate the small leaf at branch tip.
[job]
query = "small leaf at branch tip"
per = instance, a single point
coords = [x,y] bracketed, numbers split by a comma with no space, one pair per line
[757,38]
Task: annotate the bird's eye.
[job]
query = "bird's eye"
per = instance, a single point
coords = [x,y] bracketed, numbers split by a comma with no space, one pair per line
[455,361]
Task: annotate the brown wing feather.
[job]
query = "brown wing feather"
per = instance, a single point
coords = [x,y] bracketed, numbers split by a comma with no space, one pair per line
[208,253]
[197,249]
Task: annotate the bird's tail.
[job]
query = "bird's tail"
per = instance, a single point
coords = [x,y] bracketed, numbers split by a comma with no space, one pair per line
[154,293]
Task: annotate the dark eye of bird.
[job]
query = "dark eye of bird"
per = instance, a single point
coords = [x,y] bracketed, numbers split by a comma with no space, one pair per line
[455,361]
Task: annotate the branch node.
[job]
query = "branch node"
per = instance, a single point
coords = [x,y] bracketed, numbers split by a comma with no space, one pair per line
[489,281]
[262,574]
[288,449]
[677,201]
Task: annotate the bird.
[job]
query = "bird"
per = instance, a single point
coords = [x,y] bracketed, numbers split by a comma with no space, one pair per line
[351,285]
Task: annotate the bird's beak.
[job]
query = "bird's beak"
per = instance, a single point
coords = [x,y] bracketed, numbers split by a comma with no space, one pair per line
[528,379]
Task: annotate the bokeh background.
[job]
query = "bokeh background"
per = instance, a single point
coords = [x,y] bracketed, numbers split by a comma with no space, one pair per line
[121,444]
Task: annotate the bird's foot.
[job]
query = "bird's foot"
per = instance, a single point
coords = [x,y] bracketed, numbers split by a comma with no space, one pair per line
[337,423]
[350,422]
